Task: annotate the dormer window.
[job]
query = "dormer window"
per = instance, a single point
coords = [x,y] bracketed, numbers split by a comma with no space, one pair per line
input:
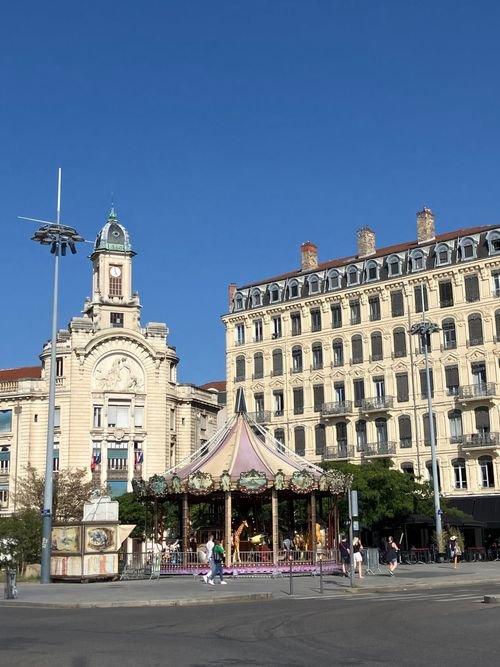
[313,284]
[394,266]
[417,259]
[256,298]
[372,271]
[467,248]
[238,302]
[443,254]
[274,293]
[493,241]
[293,289]
[352,275]
[334,279]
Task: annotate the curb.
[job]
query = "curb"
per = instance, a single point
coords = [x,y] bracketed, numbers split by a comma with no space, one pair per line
[186,602]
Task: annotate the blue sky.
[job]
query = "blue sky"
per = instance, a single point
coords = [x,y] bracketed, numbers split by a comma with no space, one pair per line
[230,132]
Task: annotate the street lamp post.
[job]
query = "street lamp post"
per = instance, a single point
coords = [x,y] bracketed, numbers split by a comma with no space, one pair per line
[59,238]
[424,329]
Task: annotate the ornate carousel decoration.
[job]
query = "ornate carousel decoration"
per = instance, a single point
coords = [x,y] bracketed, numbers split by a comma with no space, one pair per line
[157,486]
[252,481]
[302,482]
[200,484]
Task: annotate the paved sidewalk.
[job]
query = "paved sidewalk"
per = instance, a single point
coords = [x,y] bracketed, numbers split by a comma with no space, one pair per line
[181,591]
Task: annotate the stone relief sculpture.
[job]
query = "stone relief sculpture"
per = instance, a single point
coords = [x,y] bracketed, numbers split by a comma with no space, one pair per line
[118,372]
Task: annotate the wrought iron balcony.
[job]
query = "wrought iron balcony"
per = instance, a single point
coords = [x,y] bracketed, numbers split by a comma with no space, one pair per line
[480,441]
[477,391]
[379,404]
[405,443]
[372,450]
[261,417]
[339,452]
[336,409]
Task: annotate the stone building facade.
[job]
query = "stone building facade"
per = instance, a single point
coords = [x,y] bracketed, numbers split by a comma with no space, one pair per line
[120,412]
[327,362]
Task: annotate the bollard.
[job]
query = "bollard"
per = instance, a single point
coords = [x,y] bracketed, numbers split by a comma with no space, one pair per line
[10,592]
[321,575]
[291,577]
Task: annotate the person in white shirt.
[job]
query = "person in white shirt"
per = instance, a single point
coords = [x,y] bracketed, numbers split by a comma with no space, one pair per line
[210,558]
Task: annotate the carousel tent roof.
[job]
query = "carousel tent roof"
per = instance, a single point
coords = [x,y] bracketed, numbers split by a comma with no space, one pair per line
[243,445]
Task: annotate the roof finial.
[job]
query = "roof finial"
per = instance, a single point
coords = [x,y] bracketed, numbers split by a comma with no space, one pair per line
[112,213]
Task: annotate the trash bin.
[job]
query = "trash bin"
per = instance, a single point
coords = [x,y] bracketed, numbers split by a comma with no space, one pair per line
[10,592]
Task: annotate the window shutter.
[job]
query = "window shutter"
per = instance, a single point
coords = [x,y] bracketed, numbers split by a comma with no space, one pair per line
[402,387]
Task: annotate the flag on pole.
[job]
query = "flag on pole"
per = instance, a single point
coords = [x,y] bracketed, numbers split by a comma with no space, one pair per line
[139,457]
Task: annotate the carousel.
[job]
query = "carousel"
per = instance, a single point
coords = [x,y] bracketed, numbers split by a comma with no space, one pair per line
[269,507]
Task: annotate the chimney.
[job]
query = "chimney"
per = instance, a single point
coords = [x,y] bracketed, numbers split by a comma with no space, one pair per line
[426,229]
[366,242]
[232,290]
[309,255]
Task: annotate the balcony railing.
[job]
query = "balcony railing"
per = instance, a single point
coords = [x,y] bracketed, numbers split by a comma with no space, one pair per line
[262,417]
[480,440]
[405,443]
[297,369]
[338,408]
[472,342]
[379,449]
[377,404]
[474,391]
[339,452]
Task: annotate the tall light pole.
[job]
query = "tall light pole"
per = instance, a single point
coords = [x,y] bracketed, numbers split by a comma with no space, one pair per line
[59,238]
[424,329]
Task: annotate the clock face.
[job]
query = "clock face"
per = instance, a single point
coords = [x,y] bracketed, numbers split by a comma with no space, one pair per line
[115,271]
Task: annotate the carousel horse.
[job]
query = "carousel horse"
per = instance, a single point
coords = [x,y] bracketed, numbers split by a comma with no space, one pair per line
[236,541]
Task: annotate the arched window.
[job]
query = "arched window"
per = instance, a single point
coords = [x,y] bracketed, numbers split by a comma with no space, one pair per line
[487,474]
[279,435]
[372,270]
[394,263]
[300,440]
[459,473]
[404,423]
[256,298]
[417,261]
[399,342]
[376,344]
[467,248]
[258,366]
[338,352]
[238,302]
[274,293]
[449,334]
[277,362]
[293,289]
[361,437]
[240,368]
[357,349]
[427,432]
[334,280]
[475,324]
[314,284]
[455,425]
[493,241]
[320,439]
[352,275]
[296,359]
[482,415]
[443,254]
[408,468]
[317,356]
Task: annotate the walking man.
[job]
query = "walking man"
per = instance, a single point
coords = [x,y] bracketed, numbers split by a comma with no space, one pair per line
[218,557]
[210,552]
[345,555]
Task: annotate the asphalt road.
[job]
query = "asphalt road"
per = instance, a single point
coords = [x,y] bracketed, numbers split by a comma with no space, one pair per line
[425,628]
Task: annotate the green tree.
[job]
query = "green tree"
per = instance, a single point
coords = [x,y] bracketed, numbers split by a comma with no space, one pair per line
[69,492]
[25,528]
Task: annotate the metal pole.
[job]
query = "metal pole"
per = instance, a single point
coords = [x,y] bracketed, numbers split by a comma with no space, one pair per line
[351,537]
[291,576]
[49,460]
[435,482]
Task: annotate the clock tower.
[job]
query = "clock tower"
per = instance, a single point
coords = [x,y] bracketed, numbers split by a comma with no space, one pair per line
[113,304]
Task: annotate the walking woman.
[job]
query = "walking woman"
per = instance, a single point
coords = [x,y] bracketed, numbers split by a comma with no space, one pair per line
[391,550]
[357,549]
